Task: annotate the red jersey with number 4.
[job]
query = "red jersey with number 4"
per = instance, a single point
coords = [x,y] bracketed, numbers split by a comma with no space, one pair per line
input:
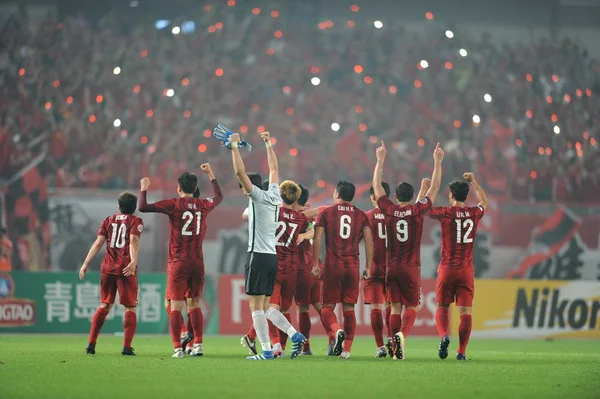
[343,224]
[380,242]
[289,225]
[459,227]
[187,221]
[405,228]
[117,230]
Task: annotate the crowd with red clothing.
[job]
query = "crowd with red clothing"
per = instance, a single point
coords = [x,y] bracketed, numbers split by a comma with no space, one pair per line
[115,99]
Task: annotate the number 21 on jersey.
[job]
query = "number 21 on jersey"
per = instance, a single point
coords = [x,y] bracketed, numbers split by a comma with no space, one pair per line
[189,218]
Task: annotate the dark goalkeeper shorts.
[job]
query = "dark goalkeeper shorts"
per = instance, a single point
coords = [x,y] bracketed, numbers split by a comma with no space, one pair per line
[260,273]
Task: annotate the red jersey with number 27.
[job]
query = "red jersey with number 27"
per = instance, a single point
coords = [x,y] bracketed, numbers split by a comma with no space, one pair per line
[117,230]
[289,225]
[343,224]
[459,227]
[405,228]
[380,242]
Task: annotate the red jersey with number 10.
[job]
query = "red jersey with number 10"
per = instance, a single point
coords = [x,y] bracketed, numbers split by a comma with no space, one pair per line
[289,225]
[343,224]
[380,242]
[459,227]
[117,230]
[405,227]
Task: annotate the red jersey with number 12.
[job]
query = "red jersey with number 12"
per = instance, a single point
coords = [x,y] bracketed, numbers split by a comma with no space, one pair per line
[117,230]
[290,224]
[343,224]
[380,242]
[459,227]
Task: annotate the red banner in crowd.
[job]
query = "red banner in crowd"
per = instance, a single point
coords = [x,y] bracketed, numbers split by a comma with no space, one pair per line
[235,318]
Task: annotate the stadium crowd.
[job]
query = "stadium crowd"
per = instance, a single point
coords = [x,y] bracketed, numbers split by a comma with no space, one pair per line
[116,100]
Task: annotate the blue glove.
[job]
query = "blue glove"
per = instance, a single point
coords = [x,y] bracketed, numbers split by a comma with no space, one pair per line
[223,134]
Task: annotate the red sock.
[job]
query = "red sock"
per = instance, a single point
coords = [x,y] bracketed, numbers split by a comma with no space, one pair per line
[464,332]
[408,319]
[129,325]
[283,335]
[441,321]
[304,325]
[330,334]
[176,321]
[97,323]
[328,318]
[377,326]
[388,313]
[349,328]
[273,333]
[252,333]
[196,324]
[395,323]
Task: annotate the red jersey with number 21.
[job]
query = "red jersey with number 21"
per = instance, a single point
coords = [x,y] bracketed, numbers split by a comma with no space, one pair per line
[289,225]
[117,230]
[380,242]
[459,227]
[343,224]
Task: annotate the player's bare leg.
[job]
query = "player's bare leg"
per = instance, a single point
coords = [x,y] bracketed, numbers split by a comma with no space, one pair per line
[349,329]
[396,327]
[442,323]
[259,319]
[377,327]
[282,323]
[176,322]
[97,323]
[196,322]
[328,318]
[464,331]
[129,326]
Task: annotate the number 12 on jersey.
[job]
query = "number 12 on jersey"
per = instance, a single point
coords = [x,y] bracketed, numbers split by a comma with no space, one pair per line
[189,218]
[467,225]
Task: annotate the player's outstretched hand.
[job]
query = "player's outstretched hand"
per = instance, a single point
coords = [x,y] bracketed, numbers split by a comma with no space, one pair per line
[426,183]
[82,272]
[235,138]
[145,184]
[469,176]
[130,269]
[438,153]
[205,167]
[380,152]
[266,136]
[316,270]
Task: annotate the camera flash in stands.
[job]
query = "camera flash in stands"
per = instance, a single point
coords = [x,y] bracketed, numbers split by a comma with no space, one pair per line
[315,81]
[176,30]
[487,98]
[335,126]
[117,122]
[378,24]
[476,119]
[424,64]
[462,52]
[449,34]
[556,129]
[170,93]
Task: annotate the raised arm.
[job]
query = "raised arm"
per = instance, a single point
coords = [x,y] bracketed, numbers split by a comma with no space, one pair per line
[314,212]
[134,250]
[317,243]
[425,184]
[436,177]
[271,158]
[218,194]
[481,197]
[378,190]
[238,164]
[96,247]
[157,207]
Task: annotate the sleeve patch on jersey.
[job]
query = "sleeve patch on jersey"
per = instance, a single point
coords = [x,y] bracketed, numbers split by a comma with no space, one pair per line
[210,200]
[423,201]
[140,228]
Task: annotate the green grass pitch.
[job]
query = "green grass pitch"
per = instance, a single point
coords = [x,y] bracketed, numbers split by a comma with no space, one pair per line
[51,366]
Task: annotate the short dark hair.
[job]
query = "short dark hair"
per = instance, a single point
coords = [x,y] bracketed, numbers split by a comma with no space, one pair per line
[197,193]
[255,179]
[405,192]
[188,182]
[459,190]
[127,203]
[386,188]
[265,185]
[346,190]
[304,193]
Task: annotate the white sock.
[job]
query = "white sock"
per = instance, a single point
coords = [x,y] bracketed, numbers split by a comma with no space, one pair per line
[279,321]
[277,347]
[262,329]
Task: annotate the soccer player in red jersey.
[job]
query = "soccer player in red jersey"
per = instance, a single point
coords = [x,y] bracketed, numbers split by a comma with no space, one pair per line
[374,287]
[405,226]
[185,269]
[343,225]
[121,232]
[456,271]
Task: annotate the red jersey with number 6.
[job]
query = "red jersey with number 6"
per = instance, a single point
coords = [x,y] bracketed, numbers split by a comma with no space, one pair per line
[405,227]
[187,220]
[380,242]
[459,227]
[343,224]
[117,230]
[289,225]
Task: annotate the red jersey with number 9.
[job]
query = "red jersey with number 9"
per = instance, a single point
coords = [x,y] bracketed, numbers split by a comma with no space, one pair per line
[117,230]
[289,225]
[459,227]
[380,242]
[343,224]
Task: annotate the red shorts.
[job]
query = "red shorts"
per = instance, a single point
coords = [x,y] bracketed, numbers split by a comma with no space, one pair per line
[340,285]
[374,291]
[126,286]
[284,289]
[455,284]
[185,279]
[403,285]
[308,289]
